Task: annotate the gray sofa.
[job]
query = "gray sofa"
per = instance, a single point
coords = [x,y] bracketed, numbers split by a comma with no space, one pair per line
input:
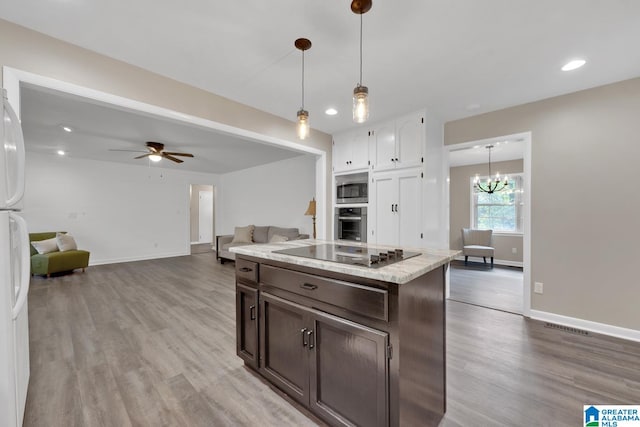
[261,234]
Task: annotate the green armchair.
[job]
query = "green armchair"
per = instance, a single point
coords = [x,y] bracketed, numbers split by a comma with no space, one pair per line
[55,262]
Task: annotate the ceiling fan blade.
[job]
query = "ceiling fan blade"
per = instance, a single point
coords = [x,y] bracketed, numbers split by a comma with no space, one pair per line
[130,151]
[144,155]
[178,154]
[170,157]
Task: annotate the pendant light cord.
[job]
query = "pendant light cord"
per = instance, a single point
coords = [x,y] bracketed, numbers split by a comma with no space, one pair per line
[360,84]
[302,108]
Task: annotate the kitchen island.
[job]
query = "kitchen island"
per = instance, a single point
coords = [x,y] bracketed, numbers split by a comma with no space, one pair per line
[355,344]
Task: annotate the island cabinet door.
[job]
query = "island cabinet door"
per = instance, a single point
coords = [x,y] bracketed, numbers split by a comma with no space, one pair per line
[348,372]
[284,358]
[247,324]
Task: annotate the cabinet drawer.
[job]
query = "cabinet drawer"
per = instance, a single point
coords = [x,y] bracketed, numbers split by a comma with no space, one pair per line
[247,270]
[364,300]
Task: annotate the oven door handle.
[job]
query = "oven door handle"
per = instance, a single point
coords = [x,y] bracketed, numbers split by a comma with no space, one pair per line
[350,218]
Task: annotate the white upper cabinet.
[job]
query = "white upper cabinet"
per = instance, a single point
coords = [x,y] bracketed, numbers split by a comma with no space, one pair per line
[400,143]
[384,146]
[351,151]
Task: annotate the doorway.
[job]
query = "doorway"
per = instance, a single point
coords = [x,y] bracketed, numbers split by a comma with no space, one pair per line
[505,287]
[202,218]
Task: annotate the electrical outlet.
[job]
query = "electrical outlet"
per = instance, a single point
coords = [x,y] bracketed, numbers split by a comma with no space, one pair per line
[538,287]
[514,250]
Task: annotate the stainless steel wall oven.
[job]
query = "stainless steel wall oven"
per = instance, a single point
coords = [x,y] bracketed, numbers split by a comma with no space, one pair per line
[351,224]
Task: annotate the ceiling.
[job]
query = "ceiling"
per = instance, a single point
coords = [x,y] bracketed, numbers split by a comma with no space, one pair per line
[99,128]
[456,58]
[502,150]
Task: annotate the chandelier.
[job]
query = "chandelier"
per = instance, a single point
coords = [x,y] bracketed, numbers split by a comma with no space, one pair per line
[491,185]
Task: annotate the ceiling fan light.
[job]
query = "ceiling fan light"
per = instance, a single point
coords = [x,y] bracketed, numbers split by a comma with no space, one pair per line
[155,158]
[360,104]
[303,124]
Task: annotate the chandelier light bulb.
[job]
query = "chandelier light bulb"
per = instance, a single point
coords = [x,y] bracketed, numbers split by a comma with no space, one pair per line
[303,124]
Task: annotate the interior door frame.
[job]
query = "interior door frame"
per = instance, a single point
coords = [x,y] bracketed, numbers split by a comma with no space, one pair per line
[12,78]
[526,238]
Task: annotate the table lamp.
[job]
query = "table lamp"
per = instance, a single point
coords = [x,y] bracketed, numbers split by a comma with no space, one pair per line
[311,211]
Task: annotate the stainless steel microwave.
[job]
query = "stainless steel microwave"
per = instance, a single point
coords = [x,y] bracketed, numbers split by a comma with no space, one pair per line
[352,188]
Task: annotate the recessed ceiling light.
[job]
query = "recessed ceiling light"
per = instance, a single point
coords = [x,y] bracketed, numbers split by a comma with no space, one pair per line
[331,112]
[573,64]
[66,128]
[61,153]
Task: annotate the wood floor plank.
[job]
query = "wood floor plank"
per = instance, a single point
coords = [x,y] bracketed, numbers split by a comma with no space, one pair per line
[152,343]
[500,287]
[102,403]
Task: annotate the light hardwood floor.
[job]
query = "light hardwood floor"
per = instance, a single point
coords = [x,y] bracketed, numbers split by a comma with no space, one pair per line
[152,343]
[500,287]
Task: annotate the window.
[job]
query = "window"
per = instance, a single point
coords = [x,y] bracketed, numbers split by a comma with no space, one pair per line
[500,211]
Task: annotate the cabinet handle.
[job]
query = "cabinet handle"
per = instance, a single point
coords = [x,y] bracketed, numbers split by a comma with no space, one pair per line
[392,159]
[311,340]
[245,269]
[252,312]
[391,207]
[396,207]
[302,331]
[396,159]
[309,286]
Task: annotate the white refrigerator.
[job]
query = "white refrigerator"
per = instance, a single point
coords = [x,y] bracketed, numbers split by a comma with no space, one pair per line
[14,273]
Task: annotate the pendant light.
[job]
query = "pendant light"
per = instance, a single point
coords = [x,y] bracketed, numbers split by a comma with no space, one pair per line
[491,185]
[360,93]
[303,115]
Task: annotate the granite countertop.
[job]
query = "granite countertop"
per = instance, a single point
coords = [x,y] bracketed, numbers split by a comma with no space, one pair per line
[400,272]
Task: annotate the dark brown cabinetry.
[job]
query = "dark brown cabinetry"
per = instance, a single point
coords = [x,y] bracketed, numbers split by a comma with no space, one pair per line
[335,367]
[354,351]
[247,312]
[247,324]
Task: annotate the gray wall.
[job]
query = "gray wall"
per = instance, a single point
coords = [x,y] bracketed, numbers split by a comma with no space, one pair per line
[460,208]
[584,208]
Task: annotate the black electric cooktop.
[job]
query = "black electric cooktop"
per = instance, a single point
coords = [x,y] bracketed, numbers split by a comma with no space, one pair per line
[352,255]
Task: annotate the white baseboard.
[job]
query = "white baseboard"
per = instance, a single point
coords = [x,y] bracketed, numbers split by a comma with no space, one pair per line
[137,258]
[495,261]
[599,328]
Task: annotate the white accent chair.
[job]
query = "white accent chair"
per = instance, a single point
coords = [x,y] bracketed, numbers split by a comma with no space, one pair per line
[477,243]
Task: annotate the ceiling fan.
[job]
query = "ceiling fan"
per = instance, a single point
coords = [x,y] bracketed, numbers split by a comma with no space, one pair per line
[156,153]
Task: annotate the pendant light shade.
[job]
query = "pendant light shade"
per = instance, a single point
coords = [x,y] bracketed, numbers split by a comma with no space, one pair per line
[303,115]
[303,124]
[360,104]
[360,93]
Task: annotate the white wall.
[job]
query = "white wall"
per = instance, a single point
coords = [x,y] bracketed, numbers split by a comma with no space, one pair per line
[118,212]
[273,194]
[434,202]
